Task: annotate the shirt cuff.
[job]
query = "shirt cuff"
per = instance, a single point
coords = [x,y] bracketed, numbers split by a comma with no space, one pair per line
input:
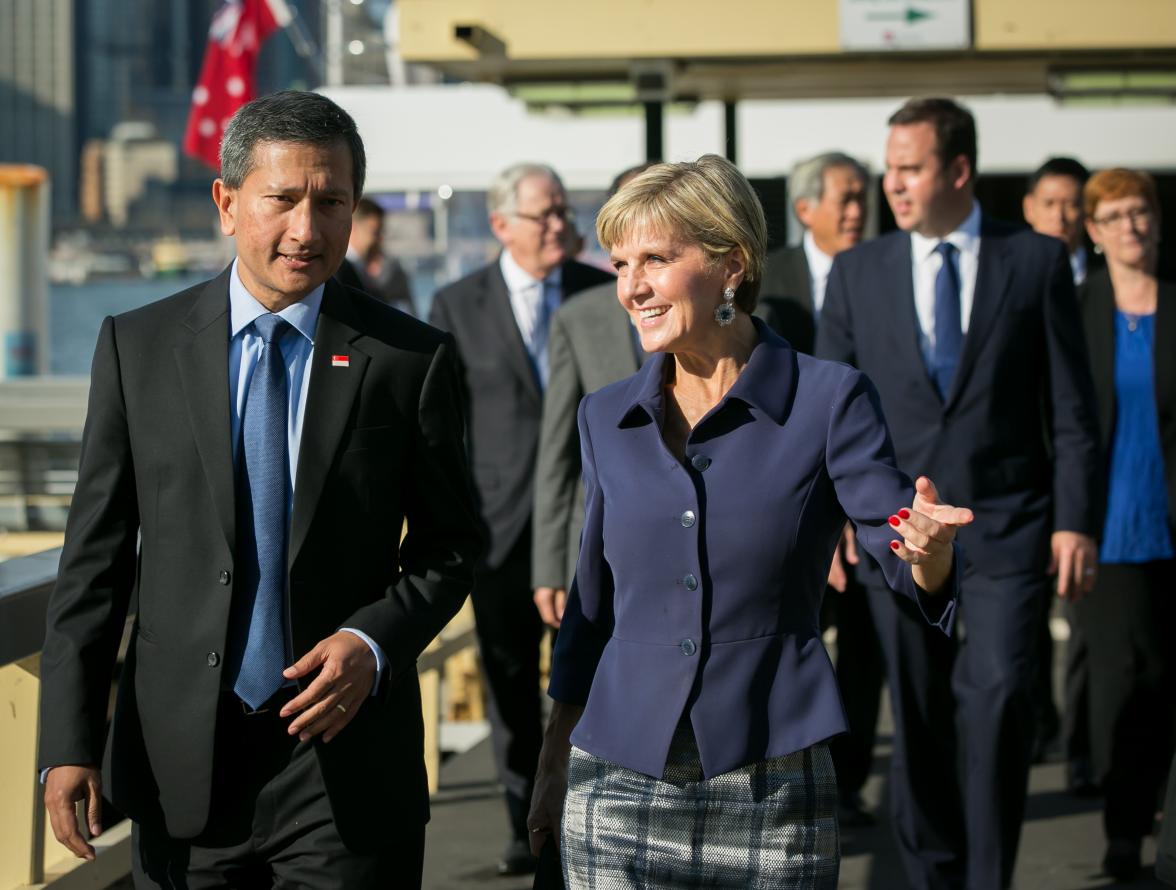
[381,660]
[45,774]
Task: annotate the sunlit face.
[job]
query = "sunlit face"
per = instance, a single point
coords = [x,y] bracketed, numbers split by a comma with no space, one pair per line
[1128,231]
[837,220]
[671,290]
[535,234]
[290,218]
[367,234]
[925,196]
[1054,208]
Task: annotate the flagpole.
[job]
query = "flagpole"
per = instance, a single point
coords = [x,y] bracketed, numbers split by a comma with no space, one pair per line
[333,51]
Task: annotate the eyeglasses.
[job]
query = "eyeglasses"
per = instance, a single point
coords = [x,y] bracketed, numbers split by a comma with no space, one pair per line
[550,215]
[1136,215]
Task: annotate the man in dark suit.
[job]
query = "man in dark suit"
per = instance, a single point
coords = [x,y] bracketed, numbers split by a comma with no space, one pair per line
[254,446]
[828,194]
[1053,206]
[366,267]
[969,329]
[500,316]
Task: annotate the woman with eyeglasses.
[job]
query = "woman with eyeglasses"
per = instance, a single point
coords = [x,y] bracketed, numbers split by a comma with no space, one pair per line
[1130,320]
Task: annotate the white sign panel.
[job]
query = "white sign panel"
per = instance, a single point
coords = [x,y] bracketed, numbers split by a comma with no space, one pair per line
[906,25]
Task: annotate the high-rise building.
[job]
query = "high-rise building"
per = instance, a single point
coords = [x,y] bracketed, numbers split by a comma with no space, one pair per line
[37,93]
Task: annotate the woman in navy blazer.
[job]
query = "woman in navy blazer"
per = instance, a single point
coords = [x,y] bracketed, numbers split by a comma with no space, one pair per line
[689,661]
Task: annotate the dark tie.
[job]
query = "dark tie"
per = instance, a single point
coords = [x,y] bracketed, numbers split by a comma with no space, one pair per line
[539,336]
[949,336]
[258,636]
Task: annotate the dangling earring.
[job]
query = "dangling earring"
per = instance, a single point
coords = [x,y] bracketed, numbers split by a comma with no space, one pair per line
[725,311]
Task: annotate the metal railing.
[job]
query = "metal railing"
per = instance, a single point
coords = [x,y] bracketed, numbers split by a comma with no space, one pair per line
[29,854]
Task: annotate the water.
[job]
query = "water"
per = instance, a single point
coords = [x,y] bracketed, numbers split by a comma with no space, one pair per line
[76,312]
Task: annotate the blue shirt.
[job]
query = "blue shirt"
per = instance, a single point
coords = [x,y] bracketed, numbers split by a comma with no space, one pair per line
[297,348]
[1136,525]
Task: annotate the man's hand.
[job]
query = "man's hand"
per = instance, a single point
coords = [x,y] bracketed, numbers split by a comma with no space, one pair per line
[64,787]
[346,669]
[1074,560]
[846,552]
[550,602]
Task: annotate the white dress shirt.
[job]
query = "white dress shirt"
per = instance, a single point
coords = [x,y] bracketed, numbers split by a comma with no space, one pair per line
[925,264]
[819,264]
[528,298]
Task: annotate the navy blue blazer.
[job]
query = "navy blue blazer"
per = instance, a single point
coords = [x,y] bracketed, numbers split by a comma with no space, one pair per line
[1016,438]
[699,583]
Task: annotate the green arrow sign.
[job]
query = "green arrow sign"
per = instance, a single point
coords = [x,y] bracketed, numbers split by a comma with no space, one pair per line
[910,15]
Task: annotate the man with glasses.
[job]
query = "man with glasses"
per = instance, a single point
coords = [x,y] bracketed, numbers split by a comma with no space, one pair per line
[499,315]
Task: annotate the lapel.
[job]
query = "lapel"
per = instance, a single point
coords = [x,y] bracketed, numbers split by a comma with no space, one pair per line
[504,330]
[993,275]
[799,281]
[905,327]
[1098,311]
[328,406]
[203,365]
[1164,351]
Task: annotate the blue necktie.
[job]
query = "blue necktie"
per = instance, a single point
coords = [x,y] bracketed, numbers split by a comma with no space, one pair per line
[539,337]
[949,335]
[258,635]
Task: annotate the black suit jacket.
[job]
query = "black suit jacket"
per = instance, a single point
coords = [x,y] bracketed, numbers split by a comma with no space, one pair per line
[381,444]
[1024,356]
[1097,297]
[787,294]
[501,393]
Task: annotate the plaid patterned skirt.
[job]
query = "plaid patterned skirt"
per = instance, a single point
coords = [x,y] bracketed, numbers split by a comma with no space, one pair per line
[771,824]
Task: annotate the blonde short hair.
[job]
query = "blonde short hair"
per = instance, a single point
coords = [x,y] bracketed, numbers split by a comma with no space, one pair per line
[707,203]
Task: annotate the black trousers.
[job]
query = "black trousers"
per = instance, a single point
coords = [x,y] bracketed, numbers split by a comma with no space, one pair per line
[1076,717]
[963,730]
[509,634]
[1128,619]
[860,671]
[270,824]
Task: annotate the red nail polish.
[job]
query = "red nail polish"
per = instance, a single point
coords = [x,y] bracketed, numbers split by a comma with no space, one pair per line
[893,520]
[904,513]
[894,545]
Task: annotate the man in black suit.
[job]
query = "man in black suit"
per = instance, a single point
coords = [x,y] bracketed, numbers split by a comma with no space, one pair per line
[828,194]
[1053,206]
[970,331]
[500,315]
[254,446]
[366,267]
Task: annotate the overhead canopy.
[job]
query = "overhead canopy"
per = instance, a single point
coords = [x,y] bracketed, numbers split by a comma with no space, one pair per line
[788,49]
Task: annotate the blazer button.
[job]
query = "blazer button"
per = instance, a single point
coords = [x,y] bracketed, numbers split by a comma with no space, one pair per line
[700,462]
[687,646]
[690,582]
[213,659]
[224,577]
[687,519]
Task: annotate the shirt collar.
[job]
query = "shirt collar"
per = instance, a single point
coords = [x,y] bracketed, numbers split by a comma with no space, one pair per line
[819,262]
[766,383]
[966,237]
[244,309]
[517,279]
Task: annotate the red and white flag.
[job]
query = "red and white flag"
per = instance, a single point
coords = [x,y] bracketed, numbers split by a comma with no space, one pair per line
[228,77]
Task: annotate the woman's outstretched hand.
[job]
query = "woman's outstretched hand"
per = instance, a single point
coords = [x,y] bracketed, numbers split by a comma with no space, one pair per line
[927,530]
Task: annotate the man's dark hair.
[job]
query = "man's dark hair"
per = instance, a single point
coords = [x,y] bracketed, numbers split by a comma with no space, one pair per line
[1058,167]
[366,208]
[288,116]
[625,175]
[955,128]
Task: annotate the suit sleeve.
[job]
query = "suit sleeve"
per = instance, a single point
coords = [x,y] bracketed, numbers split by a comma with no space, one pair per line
[835,328]
[557,469]
[1073,410]
[88,607]
[587,622]
[870,487]
[443,540]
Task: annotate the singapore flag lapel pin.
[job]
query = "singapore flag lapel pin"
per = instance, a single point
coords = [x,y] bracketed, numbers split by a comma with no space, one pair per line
[340,361]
